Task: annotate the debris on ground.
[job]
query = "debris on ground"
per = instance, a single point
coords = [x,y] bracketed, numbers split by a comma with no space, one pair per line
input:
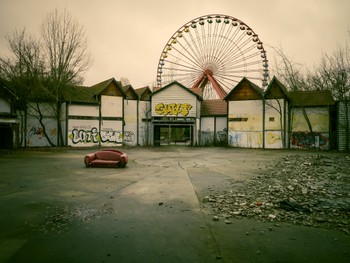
[309,190]
[58,219]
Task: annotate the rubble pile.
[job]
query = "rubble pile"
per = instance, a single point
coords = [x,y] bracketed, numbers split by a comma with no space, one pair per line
[310,190]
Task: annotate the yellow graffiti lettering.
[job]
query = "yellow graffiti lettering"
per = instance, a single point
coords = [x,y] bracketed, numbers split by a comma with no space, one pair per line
[159,108]
[186,109]
[273,138]
[173,109]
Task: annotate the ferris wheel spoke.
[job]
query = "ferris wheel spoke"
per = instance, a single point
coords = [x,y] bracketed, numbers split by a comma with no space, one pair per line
[200,43]
[195,44]
[192,60]
[227,83]
[238,59]
[180,61]
[227,48]
[238,52]
[189,48]
[220,40]
[247,59]
[244,65]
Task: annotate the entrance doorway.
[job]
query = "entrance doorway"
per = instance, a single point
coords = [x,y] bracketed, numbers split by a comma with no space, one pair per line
[6,138]
[173,135]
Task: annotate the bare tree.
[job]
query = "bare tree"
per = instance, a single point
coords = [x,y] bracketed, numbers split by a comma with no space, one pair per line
[295,79]
[66,56]
[289,72]
[333,74]
[43,70]
[24,72]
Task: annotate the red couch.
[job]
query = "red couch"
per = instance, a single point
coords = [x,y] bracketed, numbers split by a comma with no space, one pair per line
[106,158]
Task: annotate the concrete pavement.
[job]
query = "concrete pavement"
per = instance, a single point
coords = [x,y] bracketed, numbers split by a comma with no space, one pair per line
[56,210]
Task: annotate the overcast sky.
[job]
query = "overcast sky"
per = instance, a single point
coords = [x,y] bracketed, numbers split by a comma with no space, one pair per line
[126,37]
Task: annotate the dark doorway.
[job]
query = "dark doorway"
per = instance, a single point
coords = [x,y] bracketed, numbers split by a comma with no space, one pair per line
[6,137]
[173,135]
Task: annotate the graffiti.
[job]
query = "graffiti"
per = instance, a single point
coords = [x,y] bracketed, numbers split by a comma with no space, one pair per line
[307,139]
[84,136]
[222,135]
[245,139]
[104,136]
[111,136]
[36,131]
[129,136]
[273,138]
[173,109]
[235,138]
[39,132]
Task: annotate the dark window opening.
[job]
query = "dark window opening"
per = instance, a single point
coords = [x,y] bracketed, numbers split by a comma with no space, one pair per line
[238,119]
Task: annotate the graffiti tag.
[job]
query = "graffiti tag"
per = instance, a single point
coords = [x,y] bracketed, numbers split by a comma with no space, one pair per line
[84,136]
[273,138]
[306,139]
[105,136]
[173,109]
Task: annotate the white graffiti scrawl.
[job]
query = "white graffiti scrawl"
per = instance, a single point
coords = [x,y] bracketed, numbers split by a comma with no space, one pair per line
[104,136]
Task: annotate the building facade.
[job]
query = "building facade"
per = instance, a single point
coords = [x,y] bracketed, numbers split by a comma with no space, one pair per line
[110,115]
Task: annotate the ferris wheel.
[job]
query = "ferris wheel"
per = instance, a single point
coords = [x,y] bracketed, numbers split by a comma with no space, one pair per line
[213,53]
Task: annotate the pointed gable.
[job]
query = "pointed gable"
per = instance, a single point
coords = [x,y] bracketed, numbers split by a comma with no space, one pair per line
[245,90]
[276,90]
[130,93]
[144,93]
[109,87]
[179,85]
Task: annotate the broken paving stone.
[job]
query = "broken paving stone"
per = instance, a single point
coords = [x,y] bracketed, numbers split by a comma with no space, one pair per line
[299,189]
[272,216]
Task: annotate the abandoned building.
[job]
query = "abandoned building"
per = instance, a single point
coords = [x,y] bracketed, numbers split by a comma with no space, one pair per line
[109,114]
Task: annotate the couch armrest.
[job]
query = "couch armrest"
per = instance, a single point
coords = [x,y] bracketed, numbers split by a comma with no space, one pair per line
[123,160]
[88,159]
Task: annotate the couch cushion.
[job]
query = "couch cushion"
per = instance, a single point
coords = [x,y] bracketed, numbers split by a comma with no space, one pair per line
[107,155]
[104,163]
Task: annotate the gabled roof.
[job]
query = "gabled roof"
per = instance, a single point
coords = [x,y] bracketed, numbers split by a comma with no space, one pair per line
[144,93]
[7,91]
[311,98]
[245,90]
[276,90]
[99,88]
[180,85]
[80,94]
[213,107]
[130,93]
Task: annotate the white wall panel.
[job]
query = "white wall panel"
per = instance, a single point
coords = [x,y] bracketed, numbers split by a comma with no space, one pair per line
[83,110]
[144,132]
[245,124]
[130,117]
[5,106]
[221,130]
[111,106]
